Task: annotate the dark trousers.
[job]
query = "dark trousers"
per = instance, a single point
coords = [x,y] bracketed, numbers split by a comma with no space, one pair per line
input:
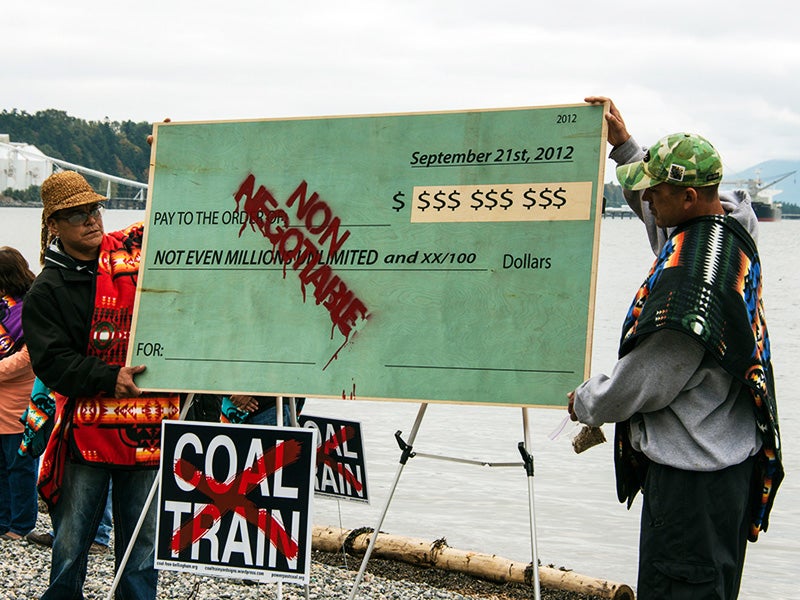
[18,497]
[694,533]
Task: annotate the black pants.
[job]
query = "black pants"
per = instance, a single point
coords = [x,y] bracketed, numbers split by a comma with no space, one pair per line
[694,533]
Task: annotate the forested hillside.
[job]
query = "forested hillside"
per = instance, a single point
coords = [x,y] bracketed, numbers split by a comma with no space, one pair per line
[109,146]
[120,148]
[612,196]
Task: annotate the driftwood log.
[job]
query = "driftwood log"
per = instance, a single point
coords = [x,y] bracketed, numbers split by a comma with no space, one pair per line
[485,566]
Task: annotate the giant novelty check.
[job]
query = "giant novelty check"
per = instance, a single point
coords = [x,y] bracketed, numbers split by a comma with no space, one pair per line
[443,257]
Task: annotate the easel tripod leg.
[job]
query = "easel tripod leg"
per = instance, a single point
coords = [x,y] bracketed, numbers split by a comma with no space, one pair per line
[527,458]
[293,422]
[403,459]
[186,405]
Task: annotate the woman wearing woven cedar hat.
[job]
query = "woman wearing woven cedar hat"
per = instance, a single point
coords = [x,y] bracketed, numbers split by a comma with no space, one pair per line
[18,503]
[77,317]
[693,391]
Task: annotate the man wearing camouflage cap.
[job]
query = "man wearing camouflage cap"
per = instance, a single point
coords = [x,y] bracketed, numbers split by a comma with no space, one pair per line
[692,394]
[77,319]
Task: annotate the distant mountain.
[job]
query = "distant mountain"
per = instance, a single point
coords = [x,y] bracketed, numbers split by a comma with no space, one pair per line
[770,170]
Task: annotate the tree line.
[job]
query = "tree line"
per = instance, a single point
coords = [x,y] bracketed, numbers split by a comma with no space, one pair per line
[113,147]
[612,196]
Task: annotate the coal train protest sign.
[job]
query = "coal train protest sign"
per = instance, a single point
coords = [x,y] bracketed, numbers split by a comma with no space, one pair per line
[341,466]
[235,501]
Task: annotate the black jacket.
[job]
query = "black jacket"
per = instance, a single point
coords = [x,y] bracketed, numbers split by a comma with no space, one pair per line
[56,317]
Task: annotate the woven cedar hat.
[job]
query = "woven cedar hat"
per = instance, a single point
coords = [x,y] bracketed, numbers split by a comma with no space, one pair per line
[63,190]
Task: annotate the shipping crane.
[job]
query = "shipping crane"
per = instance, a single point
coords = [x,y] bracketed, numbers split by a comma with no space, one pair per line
[755,186]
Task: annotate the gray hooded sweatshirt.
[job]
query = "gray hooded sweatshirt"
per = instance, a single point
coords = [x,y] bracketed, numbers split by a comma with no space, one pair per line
[685,410]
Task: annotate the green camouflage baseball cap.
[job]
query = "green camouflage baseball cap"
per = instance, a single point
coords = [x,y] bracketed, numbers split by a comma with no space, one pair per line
[682,159]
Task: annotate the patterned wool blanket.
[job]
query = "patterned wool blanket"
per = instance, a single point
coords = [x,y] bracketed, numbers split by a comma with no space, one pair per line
[38,419]
[706,282]
[11,337]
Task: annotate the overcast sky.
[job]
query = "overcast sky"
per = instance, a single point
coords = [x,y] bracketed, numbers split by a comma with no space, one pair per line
[729,71]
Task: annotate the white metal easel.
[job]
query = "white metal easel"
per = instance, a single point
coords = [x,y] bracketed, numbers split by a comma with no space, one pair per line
[408,452]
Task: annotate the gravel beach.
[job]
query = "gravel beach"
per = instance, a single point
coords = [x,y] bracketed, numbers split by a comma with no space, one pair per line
[25,569]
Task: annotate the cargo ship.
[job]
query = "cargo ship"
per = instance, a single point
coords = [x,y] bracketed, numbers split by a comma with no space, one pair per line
[765,207]
[762,198]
